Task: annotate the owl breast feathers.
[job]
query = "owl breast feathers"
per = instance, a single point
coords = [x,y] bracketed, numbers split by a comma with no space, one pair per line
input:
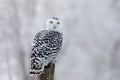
[47,44]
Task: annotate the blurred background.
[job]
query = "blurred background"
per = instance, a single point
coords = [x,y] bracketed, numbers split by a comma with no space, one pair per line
[91,49]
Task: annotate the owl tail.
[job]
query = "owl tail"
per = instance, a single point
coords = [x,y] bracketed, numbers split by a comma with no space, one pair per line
[36,66]
[33,74]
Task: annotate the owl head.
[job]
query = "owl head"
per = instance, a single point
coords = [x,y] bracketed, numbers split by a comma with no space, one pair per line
[53,24]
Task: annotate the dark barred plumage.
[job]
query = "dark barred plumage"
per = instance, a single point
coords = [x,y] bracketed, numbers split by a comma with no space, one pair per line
[47,44]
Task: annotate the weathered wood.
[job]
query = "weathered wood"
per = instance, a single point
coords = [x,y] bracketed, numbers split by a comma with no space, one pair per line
[48,73]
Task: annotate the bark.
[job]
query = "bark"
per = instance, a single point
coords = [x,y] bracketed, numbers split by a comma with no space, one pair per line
[48,73]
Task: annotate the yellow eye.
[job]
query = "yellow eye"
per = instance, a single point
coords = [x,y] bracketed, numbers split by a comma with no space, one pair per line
[51,22]
[58,22]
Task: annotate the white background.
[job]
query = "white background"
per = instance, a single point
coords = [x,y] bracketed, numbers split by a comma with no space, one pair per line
[91,49]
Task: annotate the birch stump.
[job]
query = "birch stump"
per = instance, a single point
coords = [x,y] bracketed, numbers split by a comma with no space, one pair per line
[48,73]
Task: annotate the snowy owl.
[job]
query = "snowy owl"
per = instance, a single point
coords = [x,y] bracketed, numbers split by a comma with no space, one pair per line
[47,44]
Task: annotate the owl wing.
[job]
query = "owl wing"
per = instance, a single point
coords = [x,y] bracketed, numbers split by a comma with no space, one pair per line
[36,58]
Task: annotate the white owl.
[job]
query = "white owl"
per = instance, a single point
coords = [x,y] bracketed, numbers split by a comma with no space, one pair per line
[47,44]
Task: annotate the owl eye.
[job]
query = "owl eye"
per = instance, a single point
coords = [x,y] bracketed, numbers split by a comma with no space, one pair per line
[58,22]
[51,22]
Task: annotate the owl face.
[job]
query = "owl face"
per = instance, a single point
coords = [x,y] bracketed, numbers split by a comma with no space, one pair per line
[53,24]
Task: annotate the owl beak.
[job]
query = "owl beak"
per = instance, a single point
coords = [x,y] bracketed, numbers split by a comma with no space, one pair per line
[54,27]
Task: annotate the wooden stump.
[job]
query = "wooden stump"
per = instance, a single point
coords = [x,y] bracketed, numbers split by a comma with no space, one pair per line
[48,73]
